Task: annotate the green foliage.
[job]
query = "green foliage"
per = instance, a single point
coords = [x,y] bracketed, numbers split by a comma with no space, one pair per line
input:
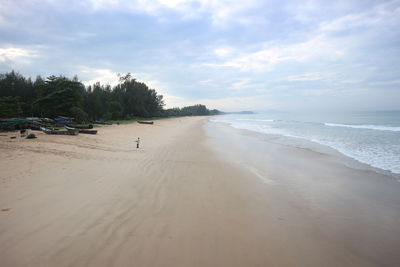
[107,116]
[215,112]
[195,110]
[136,98]
[15,85]
[79,115]
[115,110]
[58,95]
[10,107]
[61,96]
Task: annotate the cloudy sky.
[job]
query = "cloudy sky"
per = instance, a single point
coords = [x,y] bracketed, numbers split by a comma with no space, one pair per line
[227,54]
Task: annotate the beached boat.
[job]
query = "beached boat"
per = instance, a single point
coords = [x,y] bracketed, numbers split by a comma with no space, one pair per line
[60,132]
[146,122]
[14,124]
[84,131]
[90,126]
[37,126]
[87,131]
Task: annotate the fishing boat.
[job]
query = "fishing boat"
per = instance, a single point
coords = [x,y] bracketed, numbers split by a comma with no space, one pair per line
[146,122]
[84,131]
[87,131]
[60,132]
[37,126]
[90,126]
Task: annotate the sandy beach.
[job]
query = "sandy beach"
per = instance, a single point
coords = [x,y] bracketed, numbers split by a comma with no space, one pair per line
[195,193]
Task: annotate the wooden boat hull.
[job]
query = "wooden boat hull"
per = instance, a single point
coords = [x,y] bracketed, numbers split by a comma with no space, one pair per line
[67,132]
[146,122]
[90,126]
[84,131]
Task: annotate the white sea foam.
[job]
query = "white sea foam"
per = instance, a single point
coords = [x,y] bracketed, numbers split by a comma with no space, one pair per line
[259,128]
[370,127]
[373,156]
[373,148]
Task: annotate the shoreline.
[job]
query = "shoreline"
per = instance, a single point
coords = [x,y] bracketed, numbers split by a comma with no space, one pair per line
[342,200]
[192,195]
[314,146]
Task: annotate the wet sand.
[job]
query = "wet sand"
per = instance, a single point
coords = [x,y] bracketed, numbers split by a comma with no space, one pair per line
[190,196]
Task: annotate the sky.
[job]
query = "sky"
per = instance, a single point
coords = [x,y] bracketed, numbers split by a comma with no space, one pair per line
[229,54]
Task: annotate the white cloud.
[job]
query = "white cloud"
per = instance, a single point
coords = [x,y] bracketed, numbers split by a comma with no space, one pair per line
[389,82]
[336,45]
[207,82]
[100,4]
[17,54]
[172,101]
[227,9]
[224,51]
[314,76]
[242,84]
[386,13]
[93,75]
[318,92]
[319,47]
[345,22]
[219,10]
[107,76]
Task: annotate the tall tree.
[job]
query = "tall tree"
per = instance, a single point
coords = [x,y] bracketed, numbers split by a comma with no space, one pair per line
[59,95]
[10,107]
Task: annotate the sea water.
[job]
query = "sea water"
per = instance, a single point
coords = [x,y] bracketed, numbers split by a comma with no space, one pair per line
[372,138]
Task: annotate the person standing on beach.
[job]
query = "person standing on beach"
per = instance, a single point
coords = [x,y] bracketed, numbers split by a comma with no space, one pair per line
[137,142]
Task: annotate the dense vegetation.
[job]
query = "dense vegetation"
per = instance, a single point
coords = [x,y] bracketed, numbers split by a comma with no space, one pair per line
[61,96]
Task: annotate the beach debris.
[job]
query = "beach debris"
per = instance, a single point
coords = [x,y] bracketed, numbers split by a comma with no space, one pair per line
[22,132]
[6,209]
[13,137]
[137,142]
[31,136]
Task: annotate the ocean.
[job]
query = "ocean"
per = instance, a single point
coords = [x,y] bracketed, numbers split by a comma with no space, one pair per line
[372,138]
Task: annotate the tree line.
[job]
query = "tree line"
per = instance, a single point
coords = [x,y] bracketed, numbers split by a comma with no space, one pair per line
[62,96]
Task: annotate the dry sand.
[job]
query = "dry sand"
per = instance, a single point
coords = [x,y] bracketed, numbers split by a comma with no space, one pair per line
[98,201]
